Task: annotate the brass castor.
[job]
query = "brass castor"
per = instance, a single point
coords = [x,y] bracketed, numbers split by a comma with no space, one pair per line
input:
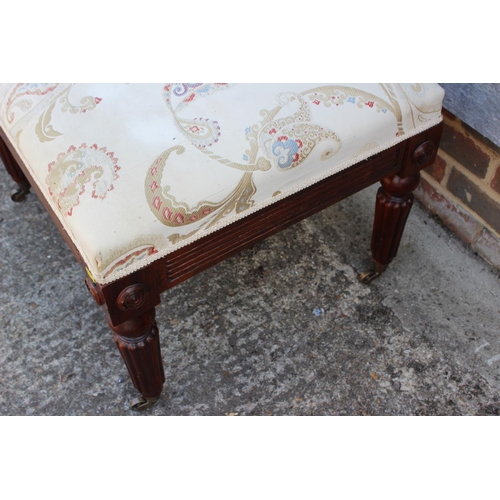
[20,194]
[368,276]
[142,403]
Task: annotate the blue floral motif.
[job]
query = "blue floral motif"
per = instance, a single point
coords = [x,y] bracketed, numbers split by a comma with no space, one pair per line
[284,152]
[182,88]
[248,130]
[245,157]
[352,99]
[206,88]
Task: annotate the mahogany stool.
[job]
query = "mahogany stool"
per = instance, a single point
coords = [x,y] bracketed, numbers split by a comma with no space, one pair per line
[151,184]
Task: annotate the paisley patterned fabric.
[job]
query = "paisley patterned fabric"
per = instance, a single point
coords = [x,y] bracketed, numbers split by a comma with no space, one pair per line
[136,171]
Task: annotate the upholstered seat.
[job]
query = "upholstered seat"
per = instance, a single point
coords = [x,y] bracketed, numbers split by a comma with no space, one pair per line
[134,172]
[150,184]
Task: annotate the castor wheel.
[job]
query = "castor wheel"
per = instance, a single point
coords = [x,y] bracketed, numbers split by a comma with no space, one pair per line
[20,195]
[142,403]
[369,276]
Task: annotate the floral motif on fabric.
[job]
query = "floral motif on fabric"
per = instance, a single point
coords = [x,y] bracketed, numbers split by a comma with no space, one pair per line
[179,95]
[202,132]
[338,95]
[20,93]
[288,141]
[73,170]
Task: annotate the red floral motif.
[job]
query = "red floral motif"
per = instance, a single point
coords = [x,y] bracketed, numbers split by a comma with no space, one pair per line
[369,104]
[316,102]
[273,131]
[173,216]
[190,98]
[157,202]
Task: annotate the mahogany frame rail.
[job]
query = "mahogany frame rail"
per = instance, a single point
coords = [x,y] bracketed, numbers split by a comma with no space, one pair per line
[129,303]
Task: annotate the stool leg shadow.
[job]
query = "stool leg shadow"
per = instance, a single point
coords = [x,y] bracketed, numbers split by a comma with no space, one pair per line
[393,204]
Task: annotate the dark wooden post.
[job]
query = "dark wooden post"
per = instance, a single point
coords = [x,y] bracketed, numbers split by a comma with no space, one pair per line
[139,344]
[395,199]
[130,312]
[15,172]
[393,205]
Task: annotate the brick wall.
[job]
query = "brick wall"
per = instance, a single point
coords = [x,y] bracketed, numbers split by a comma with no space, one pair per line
[463,187]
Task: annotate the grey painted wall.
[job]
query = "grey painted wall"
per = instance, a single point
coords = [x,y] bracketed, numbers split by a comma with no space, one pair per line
[476,104]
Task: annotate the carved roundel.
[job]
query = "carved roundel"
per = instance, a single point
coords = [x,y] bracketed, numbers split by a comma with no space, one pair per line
[423,153]
[132,297]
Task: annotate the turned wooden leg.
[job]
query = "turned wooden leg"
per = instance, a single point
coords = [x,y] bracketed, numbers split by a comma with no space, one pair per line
[129,305]
[393,205]
[139,344]
[15,172]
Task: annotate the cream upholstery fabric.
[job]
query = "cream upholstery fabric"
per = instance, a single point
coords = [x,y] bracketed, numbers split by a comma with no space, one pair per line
[137,171]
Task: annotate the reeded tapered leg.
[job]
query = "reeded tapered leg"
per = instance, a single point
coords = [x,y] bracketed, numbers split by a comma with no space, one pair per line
[139,344]
[393,205]
[15,172]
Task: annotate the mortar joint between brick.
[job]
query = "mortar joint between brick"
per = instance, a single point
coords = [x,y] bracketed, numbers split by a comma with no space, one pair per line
[493,155]
[457,201]
[449,161]
[492,167]
[478,232]
[458,126]
[481,184]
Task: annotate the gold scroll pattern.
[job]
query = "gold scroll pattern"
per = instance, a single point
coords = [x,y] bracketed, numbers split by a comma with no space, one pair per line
[282,139]
[28,100]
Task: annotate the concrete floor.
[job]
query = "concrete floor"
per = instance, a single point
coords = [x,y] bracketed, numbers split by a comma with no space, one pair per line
[242,338]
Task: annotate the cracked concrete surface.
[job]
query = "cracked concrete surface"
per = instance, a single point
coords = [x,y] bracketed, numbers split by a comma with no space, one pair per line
[241,338]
